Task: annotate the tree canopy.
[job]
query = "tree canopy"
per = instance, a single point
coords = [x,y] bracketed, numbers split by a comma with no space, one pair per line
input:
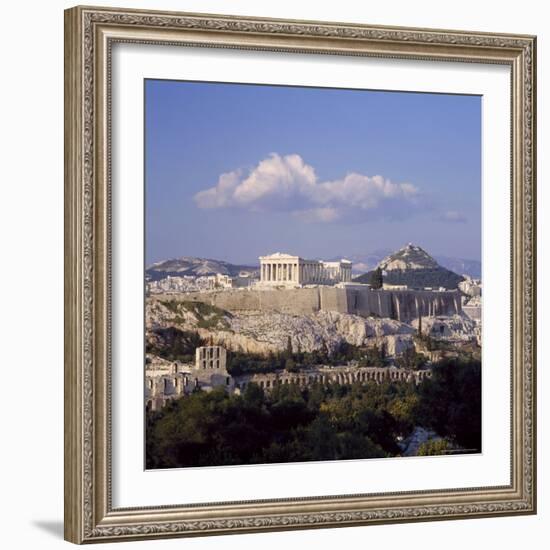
[294,424]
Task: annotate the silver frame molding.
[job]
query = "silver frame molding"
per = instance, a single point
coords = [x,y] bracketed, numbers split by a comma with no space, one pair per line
[89,35]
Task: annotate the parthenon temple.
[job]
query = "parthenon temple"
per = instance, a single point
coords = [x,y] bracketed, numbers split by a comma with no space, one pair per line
[285,270]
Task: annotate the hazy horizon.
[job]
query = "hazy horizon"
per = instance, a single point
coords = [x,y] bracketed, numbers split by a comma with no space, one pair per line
[237,171]
[255,262]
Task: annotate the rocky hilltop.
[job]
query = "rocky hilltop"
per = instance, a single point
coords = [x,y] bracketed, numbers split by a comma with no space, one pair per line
[260,332]
[408,258]
[196,267]
[363,263]
[414,267]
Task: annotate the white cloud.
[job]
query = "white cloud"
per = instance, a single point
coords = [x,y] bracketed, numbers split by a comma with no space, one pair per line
[287,183]
[452,216]
[326,214]
[222,195]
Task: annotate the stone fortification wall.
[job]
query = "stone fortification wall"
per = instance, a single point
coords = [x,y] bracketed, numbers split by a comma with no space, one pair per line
[297,301]
[403,305]
[410,304]
[333,299]
[370,302]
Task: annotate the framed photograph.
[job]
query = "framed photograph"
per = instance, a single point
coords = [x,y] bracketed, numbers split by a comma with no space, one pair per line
[300,274]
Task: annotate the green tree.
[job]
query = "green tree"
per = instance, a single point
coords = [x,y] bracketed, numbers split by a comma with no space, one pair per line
[291,366]
[373,357]
[253,395]
[434,447]
[288,351]
[173,344]
[320,422]
[410,359]
[376,279]
[450,402]
[403,409]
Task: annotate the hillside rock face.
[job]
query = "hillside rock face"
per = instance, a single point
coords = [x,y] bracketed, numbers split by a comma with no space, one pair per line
[311,332]
[410,257]
[258,332]
[454,327]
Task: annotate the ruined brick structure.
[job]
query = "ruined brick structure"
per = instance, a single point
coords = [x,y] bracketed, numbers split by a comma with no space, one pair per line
[167,382]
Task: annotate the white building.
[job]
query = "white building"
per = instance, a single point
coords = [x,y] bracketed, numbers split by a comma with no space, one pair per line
[224,281]
[286,270]
[387,286]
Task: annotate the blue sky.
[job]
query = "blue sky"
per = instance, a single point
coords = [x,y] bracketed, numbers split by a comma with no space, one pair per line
[237,171]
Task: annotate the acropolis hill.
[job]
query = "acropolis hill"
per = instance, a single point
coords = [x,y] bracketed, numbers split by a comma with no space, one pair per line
[291,306]
[290,284]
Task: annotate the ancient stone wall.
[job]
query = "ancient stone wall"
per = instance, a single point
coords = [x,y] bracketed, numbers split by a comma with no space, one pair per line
[160,390]
[327,376]
[370,302]
[298,301]
[333,299]
[403,305]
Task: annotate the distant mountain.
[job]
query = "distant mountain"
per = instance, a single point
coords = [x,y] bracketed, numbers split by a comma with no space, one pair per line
[363,263]
[195,267]
[472,268]
[414,267]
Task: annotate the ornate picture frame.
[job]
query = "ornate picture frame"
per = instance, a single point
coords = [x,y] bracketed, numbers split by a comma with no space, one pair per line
[90,34]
